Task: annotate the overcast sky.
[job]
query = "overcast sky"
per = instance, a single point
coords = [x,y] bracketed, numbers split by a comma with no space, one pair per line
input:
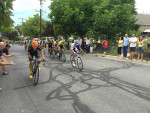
[26,8]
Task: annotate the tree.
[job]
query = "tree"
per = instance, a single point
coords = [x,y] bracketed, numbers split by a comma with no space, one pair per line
[32,26]
[5,13]
[71,16]
[18,28]
[49,31]
[10,35]
[95,18]
[113,17]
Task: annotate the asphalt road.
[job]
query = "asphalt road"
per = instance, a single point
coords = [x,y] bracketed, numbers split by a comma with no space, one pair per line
[104,86]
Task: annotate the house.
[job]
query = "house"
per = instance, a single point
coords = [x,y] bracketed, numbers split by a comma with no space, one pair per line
[144,21]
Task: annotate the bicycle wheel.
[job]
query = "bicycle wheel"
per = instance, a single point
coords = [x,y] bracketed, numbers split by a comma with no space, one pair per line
[50,52]
[71,58]
[63,57]
[36,75]
[80,63]
[52,55]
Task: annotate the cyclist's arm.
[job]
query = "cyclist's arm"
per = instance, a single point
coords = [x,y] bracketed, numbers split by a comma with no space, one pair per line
[29,55]
[42,55]
[4,54]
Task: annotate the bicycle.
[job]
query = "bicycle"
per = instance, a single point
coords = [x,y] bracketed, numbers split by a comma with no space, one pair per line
[25,47]
[56,53]
[78,61]
[50,53]
[35,71]
[43,50]
[61,55]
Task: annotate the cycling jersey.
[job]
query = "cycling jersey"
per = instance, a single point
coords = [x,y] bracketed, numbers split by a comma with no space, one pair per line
[74,48]
[61,42]
[55,44]
[50,45]
[29,44]
[35,53]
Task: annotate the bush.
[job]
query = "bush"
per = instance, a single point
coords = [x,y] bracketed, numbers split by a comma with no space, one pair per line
[18,38]
[113,51]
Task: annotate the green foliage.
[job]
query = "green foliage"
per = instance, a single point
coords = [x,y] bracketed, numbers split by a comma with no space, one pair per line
[5,13]
[49,31]
[113,51]
[71,16]
[32,26]
[93,18]
[17,38]
[10,35]
[18,28]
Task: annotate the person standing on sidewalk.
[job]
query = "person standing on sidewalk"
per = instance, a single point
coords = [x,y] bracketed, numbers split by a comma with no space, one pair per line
[133,41]
[140,47]
[91,46]
[104,43]
[148,45]
[87,45]
[120,44]
[125,45]
[80,42]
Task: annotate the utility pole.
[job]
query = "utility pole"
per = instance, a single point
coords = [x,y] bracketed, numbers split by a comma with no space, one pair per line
[41,16]
[22,26]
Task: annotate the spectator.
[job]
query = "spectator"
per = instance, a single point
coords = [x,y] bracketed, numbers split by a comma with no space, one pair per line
[3,62]
[125,45]
[148,45]
[80,42]
[120,44]
[91,46]
[6,51]
[105,44]
[133,41]
[87,45]
[140,47]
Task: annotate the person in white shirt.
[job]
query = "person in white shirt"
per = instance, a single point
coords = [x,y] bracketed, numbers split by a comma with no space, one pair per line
[80,41]
[132,41]
[87,45]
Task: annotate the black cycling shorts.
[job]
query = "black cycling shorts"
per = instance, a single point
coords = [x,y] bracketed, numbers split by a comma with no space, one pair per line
[36,55]
[61,46]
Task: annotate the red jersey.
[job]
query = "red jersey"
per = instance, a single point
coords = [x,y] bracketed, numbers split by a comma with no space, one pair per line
[105,43]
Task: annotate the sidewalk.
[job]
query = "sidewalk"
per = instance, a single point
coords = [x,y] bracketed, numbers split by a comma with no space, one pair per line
[144,62]
[123,59]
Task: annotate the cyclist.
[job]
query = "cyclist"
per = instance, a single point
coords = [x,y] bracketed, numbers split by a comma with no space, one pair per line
[55,45]
[61,45]
[75,48]
[50,46]
[34,50]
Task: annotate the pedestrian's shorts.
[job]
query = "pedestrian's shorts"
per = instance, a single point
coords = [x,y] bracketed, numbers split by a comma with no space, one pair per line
[132,49]
[104,49]
[140,49]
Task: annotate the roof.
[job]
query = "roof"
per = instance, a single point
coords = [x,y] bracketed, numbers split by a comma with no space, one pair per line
[143,19]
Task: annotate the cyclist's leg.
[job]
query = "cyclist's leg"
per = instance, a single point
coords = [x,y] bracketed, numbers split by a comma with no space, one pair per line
[30,64]
[38,56]
[30,67]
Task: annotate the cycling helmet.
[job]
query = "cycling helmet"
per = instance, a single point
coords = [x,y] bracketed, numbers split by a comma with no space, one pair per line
[76,42]
[36,39]
[34,44]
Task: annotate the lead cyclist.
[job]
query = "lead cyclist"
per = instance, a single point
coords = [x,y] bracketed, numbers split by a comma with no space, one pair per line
[75,48]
